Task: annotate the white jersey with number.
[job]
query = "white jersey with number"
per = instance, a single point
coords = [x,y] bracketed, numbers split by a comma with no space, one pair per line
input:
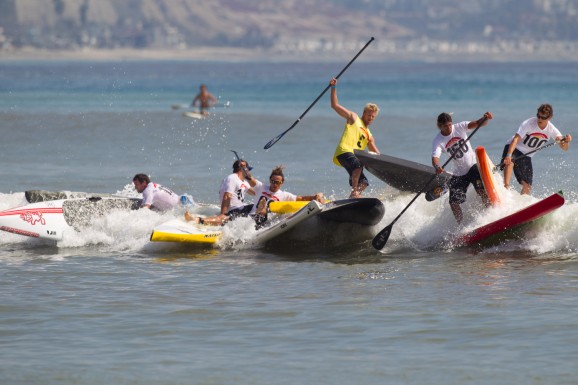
[533,137]
[455,143]
[236,187]
[265,191]
[159,197]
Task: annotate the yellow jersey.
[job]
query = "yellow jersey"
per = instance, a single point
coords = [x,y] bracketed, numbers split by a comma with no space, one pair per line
[355,136]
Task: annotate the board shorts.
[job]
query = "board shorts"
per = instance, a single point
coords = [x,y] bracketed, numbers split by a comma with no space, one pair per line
[350,162]
[458,185]
[523,169]
[240,212]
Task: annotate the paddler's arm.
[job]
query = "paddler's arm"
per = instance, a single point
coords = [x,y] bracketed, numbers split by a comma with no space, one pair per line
[435,161]
[341,111]
[371,145]
[252,181]
[564,142]
[225,204]
[319,197]
[475,123]
[508,157]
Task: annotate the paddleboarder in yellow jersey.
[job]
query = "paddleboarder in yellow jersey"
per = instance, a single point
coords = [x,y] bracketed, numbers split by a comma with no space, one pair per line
[356,135]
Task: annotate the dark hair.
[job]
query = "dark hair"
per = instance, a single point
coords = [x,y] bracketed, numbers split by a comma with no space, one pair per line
[279,172]
[444,118]
[237,165]
[546,109]
[142,178]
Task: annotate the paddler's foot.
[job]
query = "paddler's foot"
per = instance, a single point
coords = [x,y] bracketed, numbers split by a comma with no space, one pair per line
[190,218]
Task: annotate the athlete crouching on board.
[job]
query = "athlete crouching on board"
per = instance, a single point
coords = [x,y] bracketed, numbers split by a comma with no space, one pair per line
[273,193]
[531,135]
[452,140]
[155,196]
[356,135]
[232,196]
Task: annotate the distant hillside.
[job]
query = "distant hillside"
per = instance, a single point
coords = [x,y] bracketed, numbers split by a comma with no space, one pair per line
[284,24]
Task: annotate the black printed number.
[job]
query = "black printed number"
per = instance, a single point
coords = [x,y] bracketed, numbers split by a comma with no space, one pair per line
[459,149]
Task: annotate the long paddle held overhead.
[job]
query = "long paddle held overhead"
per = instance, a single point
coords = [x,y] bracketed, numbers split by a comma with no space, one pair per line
[381,238]
[276,139]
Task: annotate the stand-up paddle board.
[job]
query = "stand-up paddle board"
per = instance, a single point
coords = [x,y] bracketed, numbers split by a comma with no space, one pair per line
[50,219]
[177,230]
[486,167]
[193,114]
[362,211]
[512,222]
[34,196]
[401,174]
[286,207]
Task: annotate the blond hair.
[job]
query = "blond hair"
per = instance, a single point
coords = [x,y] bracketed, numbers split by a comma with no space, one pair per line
[371,107]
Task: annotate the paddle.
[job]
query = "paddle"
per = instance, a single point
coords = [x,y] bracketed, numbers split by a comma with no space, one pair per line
[276,139]
[381,238]
[242,168]
[531,152]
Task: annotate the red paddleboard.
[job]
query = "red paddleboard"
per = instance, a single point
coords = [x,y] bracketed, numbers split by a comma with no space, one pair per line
[530,213]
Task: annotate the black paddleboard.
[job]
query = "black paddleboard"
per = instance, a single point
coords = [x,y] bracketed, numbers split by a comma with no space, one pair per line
[362,211]
[402,174]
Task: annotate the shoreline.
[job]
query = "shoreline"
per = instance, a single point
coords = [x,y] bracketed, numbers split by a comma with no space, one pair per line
[233,54]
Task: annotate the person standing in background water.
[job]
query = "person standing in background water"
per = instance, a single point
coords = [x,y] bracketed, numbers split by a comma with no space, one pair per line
[205,100]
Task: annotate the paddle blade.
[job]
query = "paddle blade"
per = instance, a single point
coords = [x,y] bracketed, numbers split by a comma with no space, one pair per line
[273,141]
[381,238]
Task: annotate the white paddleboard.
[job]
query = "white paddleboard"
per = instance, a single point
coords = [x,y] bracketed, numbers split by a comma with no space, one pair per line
[193,114]
[50,219]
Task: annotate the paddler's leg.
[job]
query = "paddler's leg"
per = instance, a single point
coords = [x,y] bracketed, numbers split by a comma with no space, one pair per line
[474,176]
[524,172]
[357,183]
[526,188]
[508,175]
[458,186]
[457,210]
[507,169]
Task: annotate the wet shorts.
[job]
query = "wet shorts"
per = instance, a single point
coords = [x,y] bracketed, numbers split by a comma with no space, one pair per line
[523,169]
[459,185]
[350,162]
[240,212]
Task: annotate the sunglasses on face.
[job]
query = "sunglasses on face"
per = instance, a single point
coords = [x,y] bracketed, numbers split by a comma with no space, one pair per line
[542,117]
[278,182]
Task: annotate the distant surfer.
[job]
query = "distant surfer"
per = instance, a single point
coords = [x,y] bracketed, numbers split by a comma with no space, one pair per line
[452,140]
[531,135]
[356,135]
[205,100]
[154,195]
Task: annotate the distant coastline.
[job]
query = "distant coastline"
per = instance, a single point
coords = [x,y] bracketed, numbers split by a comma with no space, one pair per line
[261,55]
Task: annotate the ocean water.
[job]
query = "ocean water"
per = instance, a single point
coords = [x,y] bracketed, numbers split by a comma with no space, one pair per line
[106,306]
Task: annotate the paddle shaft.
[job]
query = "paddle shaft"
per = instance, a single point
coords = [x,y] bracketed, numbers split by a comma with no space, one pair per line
[381,238]
[242,168]
[528,153]
[276,139]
